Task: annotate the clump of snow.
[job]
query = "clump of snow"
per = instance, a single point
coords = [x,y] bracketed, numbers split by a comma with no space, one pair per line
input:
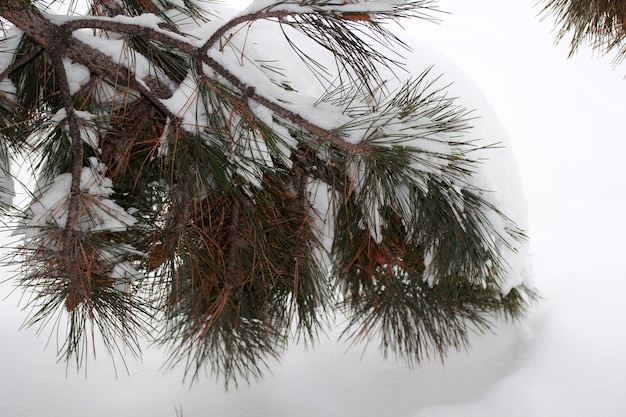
[77,75]
[123,273]
[270,69]
[98,212]
[86,122]
[184,104]
[8,45]
[121,54]
[334,7]
[7,184]
[496,172]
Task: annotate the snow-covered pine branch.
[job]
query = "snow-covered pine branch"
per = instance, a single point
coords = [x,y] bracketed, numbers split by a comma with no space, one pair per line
[229,180]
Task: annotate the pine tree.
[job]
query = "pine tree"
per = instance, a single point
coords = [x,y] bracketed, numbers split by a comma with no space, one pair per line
[599,23]
[189,188]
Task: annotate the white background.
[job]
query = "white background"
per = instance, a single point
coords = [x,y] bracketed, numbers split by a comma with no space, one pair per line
[566,121]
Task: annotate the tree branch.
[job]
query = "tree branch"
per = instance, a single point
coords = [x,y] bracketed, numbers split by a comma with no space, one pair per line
[324,134]
[36,26]
[22,61]
[26,17]
[249,92]
[146,33]
[236,22]
[351,15]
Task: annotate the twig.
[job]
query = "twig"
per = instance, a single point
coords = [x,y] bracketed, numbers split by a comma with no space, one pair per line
[21,61]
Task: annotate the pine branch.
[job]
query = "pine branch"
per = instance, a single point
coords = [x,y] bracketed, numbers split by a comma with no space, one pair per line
[167,37]
[76,140]
[601,23]
[200,56]
[234,239]
[237,21]
[218,165]
[111,5]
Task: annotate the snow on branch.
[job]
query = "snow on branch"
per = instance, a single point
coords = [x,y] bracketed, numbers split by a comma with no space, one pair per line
[182,153]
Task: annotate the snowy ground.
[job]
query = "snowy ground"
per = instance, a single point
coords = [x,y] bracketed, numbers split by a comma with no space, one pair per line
[566,120]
